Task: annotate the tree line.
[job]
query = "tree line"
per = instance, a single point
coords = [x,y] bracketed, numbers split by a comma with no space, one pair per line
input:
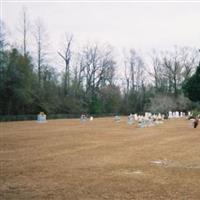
[93,81]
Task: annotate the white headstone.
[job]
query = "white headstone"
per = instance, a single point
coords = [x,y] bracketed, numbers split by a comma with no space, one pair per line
[117,118]
[130,119]
[159,117]
[170,114]
[41,118]
[142,123]
[135,117]
[83,118]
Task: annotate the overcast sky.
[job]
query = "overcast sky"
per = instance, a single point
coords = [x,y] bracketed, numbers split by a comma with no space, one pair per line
[139,25]
[143,26]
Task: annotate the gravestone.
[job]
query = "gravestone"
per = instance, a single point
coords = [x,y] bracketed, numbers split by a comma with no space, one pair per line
[135,117]
[117,118]
[83,118]
[130,119]
[41,117]
[170,114]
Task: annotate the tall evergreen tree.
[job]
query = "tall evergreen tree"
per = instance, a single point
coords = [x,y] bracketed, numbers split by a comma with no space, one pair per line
[18,83]
[192,86]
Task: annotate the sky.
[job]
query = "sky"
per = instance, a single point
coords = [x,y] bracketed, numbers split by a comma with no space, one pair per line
[141,25]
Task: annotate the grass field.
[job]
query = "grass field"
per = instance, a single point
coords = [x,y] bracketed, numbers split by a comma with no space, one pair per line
[102,159]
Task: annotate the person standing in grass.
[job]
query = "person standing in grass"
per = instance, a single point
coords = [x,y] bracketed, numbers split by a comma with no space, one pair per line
[196,122]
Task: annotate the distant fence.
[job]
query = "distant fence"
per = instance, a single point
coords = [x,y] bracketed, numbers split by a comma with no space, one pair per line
[4,118]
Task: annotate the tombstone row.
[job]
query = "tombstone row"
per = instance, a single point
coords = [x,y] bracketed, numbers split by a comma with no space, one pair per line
[176,114]
[147,120]
[84,118]
[41,118]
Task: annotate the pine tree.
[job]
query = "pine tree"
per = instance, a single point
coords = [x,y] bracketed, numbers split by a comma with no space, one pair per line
[192,86]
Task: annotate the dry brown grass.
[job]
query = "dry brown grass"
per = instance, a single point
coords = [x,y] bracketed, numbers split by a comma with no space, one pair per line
[66,159]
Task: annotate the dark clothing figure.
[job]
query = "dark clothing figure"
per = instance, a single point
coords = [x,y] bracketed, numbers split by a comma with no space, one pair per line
[196,122]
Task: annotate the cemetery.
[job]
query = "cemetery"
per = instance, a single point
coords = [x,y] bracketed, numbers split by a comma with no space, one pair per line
[130,157]
[99,100]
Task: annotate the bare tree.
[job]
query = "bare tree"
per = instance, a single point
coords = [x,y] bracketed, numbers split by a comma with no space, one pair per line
[66,56]
[178,65]
[99,67]
[134,71]
[3,42]
[41,40]
[3,45]
[156,71]
[127,80]
[24,29]
[132,67]
[172,70]
[189,61]
[78,74]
